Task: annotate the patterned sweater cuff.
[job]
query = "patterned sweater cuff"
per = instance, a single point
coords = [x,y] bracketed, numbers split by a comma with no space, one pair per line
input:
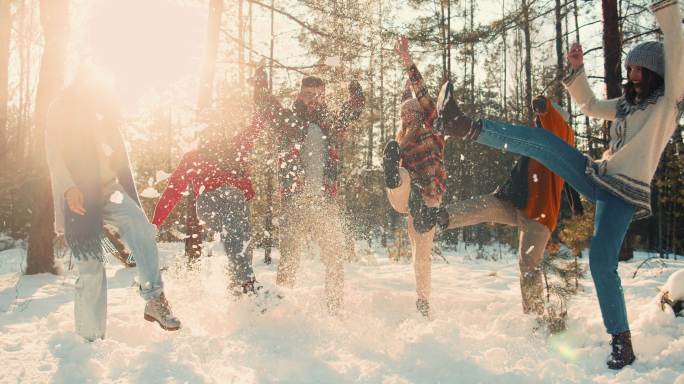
[573,75]
[661,4]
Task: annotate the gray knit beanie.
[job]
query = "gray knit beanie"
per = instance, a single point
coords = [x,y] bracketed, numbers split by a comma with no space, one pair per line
[649,55]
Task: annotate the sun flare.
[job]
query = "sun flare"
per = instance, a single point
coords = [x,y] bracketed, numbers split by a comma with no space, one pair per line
[145,45]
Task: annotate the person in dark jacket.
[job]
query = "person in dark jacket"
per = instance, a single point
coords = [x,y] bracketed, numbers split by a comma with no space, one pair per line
[308,138]
[93,187]
[531,200]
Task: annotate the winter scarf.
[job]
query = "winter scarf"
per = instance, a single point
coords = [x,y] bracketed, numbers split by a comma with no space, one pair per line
[84,124]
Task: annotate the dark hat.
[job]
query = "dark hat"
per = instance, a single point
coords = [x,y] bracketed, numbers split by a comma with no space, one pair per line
[312,81]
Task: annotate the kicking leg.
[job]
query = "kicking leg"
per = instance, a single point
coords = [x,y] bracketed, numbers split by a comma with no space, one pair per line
[139,234]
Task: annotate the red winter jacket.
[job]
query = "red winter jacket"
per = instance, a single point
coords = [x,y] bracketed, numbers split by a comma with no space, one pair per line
[205,175]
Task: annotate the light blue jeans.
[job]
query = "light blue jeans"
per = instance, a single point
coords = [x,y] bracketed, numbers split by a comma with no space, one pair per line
[90,306]
[612,218]
[226,212]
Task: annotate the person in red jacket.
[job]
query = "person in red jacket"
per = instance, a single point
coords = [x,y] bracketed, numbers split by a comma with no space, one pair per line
[220,177]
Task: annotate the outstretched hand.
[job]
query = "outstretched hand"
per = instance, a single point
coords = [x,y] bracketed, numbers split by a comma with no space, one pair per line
[356,94]
[75,201]
[402,48]
[260,83]
[575,56]
[260,79]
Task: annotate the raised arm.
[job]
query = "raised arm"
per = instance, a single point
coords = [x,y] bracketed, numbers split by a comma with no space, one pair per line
[269,113]
[415,78]
[351,109]
[578,86]
[178,184]
[669,17]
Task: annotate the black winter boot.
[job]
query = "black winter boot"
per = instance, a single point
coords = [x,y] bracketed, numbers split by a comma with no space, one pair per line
[390,164]
[424,217]
[622,351]
[450,119]
[423,307]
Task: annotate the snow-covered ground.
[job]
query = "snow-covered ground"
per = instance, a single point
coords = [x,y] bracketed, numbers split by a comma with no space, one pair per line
[478,333]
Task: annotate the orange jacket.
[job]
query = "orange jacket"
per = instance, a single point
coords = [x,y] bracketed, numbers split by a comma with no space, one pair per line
[545,187]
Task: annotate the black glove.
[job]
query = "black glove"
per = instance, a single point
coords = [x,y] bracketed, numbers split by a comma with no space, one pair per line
[355,89]
[356,97]
[539,105]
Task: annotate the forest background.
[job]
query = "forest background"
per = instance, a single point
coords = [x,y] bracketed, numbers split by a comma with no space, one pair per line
[173,61]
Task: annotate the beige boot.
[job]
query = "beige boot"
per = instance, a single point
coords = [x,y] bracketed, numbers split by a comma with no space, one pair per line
[158,310]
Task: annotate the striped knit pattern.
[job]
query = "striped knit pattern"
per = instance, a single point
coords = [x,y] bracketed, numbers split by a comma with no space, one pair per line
[634,192]
[658,5]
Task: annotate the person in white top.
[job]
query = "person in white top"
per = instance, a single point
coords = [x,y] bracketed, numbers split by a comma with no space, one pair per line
[94,195]
[643,119]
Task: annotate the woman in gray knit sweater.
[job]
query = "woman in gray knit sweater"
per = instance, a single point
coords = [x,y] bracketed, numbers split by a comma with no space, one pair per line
[643,120]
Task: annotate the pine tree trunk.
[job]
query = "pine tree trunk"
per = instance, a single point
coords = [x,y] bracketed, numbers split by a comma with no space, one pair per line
[193,231]
[5,33]
[210,53]
[268,218]
[560,59]
[54,17]
[250,40]
[504,108]
[448,42]
[527,105]
[472,54]
[612,48]
[612,51]
[241,44]
[383,138]
[442,29]
[371,109]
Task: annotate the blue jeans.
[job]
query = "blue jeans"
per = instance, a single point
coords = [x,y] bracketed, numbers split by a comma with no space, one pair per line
[612,218]
[90,304]
[226,212]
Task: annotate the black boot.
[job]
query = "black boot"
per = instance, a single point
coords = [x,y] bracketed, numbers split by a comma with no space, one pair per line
[423,306]
[424,217]
[390,164]
[622,351]
[450,119]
